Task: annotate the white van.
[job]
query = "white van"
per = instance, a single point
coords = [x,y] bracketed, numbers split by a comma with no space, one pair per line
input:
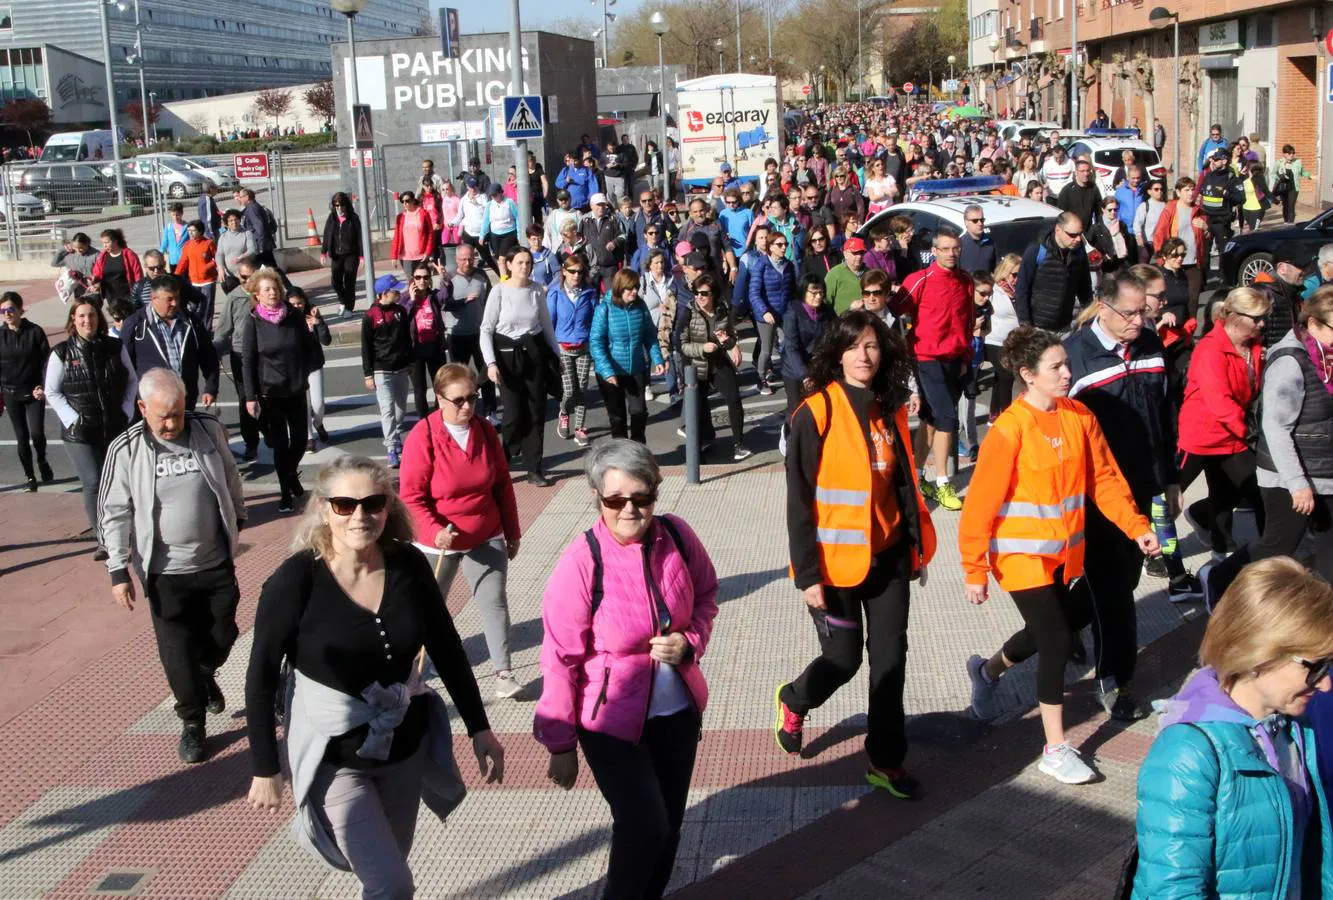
[77,146]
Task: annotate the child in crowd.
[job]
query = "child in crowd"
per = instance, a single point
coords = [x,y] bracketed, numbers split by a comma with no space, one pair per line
[386,363]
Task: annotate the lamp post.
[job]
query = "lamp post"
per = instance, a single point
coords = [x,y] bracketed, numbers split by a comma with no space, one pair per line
[860,67]
[994,45]
[1074,67]
[605,31]
[111,105]
[822,90]
[350,8]
[523,185]
[951,59]
[738,36]
[137,59]
[658,22]
[717,45]
[1159,18]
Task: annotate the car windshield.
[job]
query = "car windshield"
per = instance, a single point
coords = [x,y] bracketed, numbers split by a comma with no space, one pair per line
[174,163]
[203,162]
[60,153]
[1017,236]
[1112,157]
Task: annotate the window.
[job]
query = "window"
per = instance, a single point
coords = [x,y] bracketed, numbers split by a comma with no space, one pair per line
[1261,101]
[1263,30]
[6,18]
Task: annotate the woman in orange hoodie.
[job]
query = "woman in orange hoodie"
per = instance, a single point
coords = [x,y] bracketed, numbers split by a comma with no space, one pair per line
[198,263]
[1023,522]
[1184,218]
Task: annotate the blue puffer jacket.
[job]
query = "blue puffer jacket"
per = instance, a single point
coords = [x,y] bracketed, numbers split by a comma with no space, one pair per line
[571,319]
[746,264]
[1215,820]
[623,340]
[771,288]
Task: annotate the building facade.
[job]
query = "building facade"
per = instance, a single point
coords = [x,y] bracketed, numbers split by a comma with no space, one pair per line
[193,49]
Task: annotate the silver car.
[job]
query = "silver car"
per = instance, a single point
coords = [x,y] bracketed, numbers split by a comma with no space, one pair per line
[223,174]
[174,176]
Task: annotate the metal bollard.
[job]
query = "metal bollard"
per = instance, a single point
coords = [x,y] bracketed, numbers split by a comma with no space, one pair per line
[691,407]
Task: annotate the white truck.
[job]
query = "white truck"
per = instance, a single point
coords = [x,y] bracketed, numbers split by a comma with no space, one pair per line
[77,146]
[734,118]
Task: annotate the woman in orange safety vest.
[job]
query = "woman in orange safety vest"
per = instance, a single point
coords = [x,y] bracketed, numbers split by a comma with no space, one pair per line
[1022,521]
[858,533]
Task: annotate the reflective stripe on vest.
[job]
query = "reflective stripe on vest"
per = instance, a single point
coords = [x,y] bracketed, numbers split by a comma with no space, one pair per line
[1029,545]
[1042,510]
[841,536]
[841,497]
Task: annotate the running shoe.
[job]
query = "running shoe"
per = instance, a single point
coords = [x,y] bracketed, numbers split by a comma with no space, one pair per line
[562,429]
[765,388]
[285,504]
[393,457]
[100,554]
[741,452]
[581,437]
[1206,588]
[191,747]
[789,726]
[984,705]
[507,685]
[44,468]
[896,781]
[648,395]
[927,489]
[31,485]
[1120,704]
[947,498]
[1184,589]
[1065,765]
[1155,566]
[217,704]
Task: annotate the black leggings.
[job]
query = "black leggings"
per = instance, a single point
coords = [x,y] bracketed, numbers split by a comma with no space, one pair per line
[1282,536]
[1230,480]
[28,416]
[625,406]
[285,425]
[342,272]
[1002,389]
[523,374]
[426,361]
[483,249]
[881,603]
[647,786]
[1052,616]
[725,382]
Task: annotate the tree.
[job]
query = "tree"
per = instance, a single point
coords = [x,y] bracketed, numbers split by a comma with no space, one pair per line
[27,115]
[321,100]
[274,103]
[134,115]
[920,53]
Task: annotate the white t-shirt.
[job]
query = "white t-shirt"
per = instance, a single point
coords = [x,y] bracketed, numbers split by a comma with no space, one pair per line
[1057,174]
[459,433]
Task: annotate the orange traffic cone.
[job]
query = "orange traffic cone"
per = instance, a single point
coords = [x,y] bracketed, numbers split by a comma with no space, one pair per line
[311,231]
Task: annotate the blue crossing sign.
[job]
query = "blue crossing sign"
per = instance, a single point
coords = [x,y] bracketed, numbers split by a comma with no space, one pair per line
[523,117]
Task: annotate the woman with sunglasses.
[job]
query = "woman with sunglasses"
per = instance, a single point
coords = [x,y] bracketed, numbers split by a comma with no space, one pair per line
[570,304]
[705,336]
[351,610]
[858,533]
[322,337]
[771,286]
[1294,454]
[1146,217]
[1231,797]
[621,679]
[819,253]
[519,346]
[426,329]
[23,353]
[1109,238]
[341,248]
[455,481]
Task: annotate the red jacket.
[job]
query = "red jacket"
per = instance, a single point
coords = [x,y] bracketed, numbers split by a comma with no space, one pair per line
[1219,389]
[427,235]
[133,270]
[1166,229]
[443,485]
[939,302]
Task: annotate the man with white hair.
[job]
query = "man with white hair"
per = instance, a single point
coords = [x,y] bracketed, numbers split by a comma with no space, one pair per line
[1323,272]
[171,503]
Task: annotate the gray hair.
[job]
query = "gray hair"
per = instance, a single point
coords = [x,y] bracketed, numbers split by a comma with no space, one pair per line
[630,457]
[972,208]
[1326,254]
[162,384]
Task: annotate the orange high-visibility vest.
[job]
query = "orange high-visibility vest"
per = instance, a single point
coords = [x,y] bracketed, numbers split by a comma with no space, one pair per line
[1024,512]
[844,490]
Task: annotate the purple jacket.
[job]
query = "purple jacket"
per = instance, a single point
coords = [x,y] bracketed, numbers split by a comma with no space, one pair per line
[596,671]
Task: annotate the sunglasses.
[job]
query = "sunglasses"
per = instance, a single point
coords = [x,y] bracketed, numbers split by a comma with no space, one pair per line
[8,310]
[640,501]
[152,268]
[573,271]
[1179,254]
[704,293]
[872,292]
[420,277]
[373,504]
[1315,669]
[976,221]
[1258,320]
[1073,234]
[466,400]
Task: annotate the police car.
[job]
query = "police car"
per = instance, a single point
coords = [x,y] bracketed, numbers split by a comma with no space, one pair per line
[1012,223]
[1014,129]
[1104,147]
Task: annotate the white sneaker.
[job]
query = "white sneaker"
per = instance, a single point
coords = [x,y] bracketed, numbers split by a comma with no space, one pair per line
[983,691]
[507,685]
[648,395]
[1065,765]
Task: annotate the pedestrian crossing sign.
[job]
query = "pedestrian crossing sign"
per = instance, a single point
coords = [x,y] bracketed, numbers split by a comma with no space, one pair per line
[523,117]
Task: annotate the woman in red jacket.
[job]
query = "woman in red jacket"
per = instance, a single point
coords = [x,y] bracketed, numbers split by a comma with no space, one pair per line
[1223,380]
[413,233]
[455,480]
[1184,218]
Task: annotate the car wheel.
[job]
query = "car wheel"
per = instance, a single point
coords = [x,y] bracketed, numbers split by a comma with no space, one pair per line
[48,206]
[176,191]
[1255,264]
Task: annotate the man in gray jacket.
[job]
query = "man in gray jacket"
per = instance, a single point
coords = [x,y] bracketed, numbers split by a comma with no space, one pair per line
[171,503]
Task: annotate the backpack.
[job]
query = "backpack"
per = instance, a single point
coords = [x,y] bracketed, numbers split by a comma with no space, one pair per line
[270,223]
[595,548]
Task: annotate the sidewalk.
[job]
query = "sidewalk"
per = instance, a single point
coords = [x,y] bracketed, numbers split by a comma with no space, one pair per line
[94,789]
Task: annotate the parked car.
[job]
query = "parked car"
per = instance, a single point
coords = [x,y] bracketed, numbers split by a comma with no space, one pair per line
[1246,256]
[223,174]
[175,178]
[25,206]
[78,186]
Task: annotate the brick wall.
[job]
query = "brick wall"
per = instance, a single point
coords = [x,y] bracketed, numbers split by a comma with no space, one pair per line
[1298,93]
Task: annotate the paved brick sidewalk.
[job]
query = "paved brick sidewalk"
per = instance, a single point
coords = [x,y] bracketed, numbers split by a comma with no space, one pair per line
[93,786]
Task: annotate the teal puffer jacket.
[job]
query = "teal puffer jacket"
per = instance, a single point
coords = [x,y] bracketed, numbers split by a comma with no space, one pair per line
[623,339]
[1216,821]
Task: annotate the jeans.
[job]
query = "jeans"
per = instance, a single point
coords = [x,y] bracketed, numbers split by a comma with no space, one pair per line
[315,400]
[203,307]
[28,416]
[194,619]
[625,406]
[874,613]
[87,460]
[391,396]
[768,337]
[486,568]
[647,787]
[283,421]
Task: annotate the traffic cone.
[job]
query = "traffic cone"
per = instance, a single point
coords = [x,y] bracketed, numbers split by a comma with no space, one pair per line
[311,231]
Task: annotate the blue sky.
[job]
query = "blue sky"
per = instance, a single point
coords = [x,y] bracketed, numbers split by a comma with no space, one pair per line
[494,15]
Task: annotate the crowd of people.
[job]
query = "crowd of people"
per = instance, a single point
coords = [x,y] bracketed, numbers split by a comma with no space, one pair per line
[1114,384]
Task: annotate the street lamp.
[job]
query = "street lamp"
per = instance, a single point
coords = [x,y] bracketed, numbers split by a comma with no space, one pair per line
[605,31]
[350,8]
[137,59]
[658,22]
[1159,18]
[111,104]
[822,86]
[994,45]
[717,44]
[951,59]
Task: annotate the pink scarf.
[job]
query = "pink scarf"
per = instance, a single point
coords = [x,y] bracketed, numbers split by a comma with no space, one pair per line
[1319,355]
[271,316]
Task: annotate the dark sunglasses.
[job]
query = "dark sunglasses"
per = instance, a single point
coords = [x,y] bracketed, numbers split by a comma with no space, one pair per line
[373,504]
[640,501]
[574,271]
[152,268]
[1315,669]
[704,293]
[1255,319]
[467,399]
[872,292]
[8,310]
[420,277]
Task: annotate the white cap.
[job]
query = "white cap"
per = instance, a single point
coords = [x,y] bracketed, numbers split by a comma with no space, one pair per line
[598,198]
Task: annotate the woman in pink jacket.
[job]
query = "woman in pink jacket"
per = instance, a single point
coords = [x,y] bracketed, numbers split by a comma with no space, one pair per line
[627,616]
[449,234]
[455,481]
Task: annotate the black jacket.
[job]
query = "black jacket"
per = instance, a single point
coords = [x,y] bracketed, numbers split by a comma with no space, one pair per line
[23,357]
[1084,202]
[800,334]
[1131,404]
[1220,191]
[1287,304]
[275,359]
[386,339]
[819,263]
[144,345]
[1177,300]
[1313,432]
[1100,237]
[342,239]
[94,384]
[1052,281]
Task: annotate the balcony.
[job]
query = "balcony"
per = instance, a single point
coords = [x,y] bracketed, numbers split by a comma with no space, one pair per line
[1037,36]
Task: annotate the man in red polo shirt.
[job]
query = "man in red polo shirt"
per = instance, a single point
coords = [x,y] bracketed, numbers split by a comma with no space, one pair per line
[938,300]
